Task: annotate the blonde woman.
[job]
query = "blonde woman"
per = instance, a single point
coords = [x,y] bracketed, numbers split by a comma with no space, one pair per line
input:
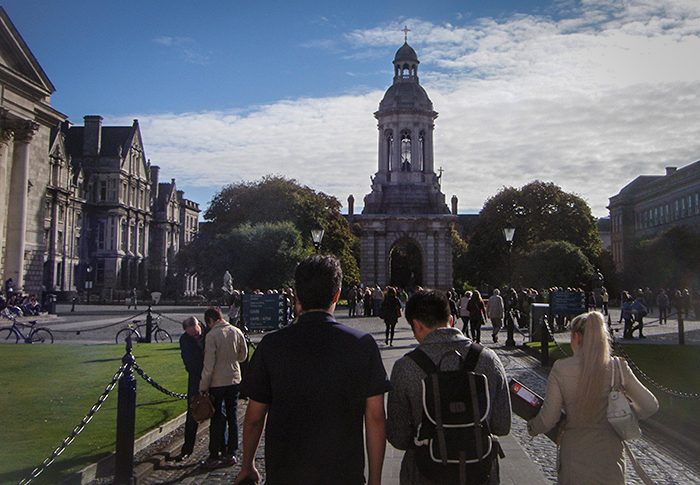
[590,451]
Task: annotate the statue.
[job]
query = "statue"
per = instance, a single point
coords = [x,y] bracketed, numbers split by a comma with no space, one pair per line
[228,283]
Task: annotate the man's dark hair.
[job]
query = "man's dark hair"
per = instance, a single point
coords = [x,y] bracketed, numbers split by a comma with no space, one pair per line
[430,307]
[213,314]
[316,281]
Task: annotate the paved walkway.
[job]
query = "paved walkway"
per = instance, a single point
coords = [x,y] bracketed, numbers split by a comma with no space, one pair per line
[516,468]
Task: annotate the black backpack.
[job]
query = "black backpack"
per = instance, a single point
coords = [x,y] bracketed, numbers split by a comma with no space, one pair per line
[453,442]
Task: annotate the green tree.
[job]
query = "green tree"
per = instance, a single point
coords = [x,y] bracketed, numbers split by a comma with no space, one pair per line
[539,211]
[668,260]
[554,263]
[275,199]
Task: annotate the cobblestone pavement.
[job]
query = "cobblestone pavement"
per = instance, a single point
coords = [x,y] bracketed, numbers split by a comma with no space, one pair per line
[661,458]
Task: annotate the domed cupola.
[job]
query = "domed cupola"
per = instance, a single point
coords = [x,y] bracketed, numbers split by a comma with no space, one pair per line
[406,64]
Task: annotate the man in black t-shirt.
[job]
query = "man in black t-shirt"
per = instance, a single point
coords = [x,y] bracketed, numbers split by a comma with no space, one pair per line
[316,382]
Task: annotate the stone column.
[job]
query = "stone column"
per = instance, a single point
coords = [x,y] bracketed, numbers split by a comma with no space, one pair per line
[17,205]
[429,162]
[5,138]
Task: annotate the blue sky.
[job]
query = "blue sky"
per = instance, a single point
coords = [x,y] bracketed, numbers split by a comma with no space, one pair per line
[587,94]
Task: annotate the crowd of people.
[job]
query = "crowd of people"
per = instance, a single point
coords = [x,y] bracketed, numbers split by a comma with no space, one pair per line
[316,388]
[18,304]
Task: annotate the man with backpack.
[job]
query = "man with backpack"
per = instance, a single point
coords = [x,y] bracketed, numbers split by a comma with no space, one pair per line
[450,398]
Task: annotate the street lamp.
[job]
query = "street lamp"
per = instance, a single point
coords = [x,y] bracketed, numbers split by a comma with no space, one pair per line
[317,237]
[508,233]
[88,281]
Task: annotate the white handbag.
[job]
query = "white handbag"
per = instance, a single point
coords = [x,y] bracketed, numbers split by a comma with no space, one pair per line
[620,414]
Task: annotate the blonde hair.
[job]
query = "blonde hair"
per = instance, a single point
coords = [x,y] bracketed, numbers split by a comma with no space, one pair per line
[595,357]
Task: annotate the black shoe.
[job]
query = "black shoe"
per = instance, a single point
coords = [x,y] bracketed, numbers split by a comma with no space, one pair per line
[182,457]
[495,338]
[642,336]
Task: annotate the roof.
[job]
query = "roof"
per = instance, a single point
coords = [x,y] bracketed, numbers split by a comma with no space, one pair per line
[406,54]
[406,95]
[113,137]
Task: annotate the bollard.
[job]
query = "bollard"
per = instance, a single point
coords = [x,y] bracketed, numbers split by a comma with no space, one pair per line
[544,339]
[681,328]
[149,324]
[72,308]
[126,418]
[510,341]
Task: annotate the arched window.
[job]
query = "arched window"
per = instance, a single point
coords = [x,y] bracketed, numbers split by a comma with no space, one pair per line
[421,141]
[389,137]
[405,151]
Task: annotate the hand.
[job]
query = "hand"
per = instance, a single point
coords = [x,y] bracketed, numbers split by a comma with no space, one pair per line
[247,476]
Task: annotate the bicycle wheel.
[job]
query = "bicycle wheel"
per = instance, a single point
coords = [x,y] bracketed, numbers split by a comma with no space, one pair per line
[163,336]
[8,336]
[124,333]
[42,336]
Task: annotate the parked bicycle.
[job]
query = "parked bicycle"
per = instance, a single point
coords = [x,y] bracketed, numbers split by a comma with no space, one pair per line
[138,332]
[13,334]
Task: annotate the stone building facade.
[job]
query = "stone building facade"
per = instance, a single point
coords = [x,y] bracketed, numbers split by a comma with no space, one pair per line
[174,225]
[405,223]
[652,204]
[76,202]
[26,121]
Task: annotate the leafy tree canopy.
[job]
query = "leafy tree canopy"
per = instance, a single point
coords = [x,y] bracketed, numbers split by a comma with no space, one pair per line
[669,260]
[272,200]
[554,263]
[539,211]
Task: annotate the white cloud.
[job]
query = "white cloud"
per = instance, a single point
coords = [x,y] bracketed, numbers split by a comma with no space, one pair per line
[588,101]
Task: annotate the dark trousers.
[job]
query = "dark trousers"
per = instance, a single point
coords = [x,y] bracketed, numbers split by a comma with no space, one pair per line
[476,330]
[224,400]
[190,424]
[465,326]
[639,326]
[389,334]
[663,314]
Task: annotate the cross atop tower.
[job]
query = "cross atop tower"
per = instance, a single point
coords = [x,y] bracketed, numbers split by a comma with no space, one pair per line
[405,31]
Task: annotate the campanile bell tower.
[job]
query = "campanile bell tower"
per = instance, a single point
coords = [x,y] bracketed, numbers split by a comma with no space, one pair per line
[405,222]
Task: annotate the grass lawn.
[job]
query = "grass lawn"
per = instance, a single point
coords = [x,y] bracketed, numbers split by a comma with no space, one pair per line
[673,366]
[45,390]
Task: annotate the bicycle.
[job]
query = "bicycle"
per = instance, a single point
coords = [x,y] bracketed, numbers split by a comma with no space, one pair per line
[36,335]
[138,332]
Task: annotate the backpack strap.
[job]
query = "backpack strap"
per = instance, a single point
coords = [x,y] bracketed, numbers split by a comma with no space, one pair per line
[470,360]
[423,361]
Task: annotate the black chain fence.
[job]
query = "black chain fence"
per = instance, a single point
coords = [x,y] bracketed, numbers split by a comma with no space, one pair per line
[81,330]
[77,430]
[91,413]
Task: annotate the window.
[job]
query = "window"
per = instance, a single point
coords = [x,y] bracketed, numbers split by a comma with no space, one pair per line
[405,151]
[100,272]
[61,213]
[59,242]
[133,238]
[101,236]
[125,236]
[103,190]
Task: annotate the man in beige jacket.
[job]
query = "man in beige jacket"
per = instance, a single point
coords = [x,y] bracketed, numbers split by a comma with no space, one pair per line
[224,348]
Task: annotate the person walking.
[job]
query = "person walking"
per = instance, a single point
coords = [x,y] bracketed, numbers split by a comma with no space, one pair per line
[391,309]
[477,315]
[224,348]
[352,301]
[605,299]
[495,311]
[639,311]
[590,451]
[429,315]
[663,303]
[312,386]
[192,352]
[132,299]
[464,312]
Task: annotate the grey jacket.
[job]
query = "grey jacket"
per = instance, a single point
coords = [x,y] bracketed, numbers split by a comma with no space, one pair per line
[404,406]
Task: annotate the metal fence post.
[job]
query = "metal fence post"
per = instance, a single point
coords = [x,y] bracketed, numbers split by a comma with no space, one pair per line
[681,328]
[544,337]
[149,324]
[126,418]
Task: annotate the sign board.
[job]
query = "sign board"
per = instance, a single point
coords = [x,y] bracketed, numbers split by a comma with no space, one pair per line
[568,302]
[264,312]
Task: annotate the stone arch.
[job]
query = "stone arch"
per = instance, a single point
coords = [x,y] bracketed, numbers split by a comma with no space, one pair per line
[406,263]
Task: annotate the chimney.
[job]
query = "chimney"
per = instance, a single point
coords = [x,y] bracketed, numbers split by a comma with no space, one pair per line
[454,205]
[92,135]
[671,170]
[155,170]
[351,205]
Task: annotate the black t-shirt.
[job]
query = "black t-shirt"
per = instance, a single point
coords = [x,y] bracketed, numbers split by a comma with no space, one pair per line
[316,376]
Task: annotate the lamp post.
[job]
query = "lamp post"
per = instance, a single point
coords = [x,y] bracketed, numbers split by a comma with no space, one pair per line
[317,237]
[88,281]
[508,233]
